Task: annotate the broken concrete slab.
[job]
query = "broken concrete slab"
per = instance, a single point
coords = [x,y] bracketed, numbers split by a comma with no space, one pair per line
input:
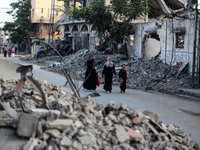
[87,139]
[121,134]
[66,141]
[27,125]
[59,124]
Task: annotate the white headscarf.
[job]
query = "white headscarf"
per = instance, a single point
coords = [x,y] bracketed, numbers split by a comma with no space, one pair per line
[109,63]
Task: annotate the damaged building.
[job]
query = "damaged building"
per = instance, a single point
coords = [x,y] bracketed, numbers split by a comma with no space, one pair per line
[158,35]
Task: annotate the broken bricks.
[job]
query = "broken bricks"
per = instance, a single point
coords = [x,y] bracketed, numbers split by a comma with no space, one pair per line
[89,125]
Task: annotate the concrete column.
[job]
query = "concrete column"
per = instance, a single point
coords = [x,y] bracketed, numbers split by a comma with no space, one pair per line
[66,10]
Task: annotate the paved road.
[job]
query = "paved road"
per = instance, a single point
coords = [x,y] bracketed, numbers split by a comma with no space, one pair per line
[179,110]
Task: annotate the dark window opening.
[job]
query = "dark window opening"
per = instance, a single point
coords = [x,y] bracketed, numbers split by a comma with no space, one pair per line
[155,36]
[180,40]
[75,28]
[84,28]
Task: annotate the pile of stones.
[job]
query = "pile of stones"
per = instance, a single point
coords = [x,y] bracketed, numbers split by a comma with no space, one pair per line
[62,46]
[149,74]
[80,124]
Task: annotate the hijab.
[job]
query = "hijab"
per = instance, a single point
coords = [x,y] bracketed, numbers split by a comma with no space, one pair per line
[109,63]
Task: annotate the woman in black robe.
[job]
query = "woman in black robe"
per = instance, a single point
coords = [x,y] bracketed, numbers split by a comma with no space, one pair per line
[90,75]
[108,71]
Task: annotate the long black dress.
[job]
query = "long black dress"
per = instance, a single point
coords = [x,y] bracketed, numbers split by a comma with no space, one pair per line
[90,76]
[122,75]
[108,72]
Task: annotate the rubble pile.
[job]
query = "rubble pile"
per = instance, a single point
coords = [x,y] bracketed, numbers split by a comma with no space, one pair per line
[142,74]
[83,124]
[155,75]
[62,46]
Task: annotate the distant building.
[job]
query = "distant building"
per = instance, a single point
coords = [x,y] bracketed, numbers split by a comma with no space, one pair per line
[40,17]
[4,37]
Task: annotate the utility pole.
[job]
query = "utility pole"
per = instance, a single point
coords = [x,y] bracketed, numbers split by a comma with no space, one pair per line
[51,14]
[196,51]
[53,19]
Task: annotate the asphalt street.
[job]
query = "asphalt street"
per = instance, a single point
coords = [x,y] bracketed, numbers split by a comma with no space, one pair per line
[183,111]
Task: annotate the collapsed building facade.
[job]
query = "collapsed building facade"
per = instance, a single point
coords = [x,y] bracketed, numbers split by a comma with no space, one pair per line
[158,35]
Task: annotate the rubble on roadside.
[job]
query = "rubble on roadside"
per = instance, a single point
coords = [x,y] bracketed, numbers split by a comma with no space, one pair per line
[142,74]
[85,124]
[62,46]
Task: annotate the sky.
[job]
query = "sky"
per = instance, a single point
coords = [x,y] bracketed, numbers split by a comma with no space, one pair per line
[4,17]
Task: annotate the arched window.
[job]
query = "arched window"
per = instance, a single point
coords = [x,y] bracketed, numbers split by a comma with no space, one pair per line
[67,29]
[75,28]
[84,28]
[93,28]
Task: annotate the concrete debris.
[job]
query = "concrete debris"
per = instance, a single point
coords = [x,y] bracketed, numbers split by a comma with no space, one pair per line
[27,125]
[89,125]
[62,46]
[149,74]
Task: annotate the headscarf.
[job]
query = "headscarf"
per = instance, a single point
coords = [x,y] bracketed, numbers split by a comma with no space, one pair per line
[109,63]
[90,56]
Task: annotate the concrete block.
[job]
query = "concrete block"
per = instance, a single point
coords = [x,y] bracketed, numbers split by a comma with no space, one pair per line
[87,139]
[66,141]
[59,124]
[53,132]
[121,134]
[78,124]
[27,125]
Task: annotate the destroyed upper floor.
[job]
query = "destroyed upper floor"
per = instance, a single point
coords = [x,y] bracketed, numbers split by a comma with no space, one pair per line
[159,9]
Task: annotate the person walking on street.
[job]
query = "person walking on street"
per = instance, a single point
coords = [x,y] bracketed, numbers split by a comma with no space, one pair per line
[13,51]
[5,50]
[123,78]
[9,51]
[108,71]
[90,75]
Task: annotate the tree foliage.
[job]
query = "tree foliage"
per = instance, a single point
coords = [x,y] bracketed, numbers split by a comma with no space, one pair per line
[112,22]
[21,29]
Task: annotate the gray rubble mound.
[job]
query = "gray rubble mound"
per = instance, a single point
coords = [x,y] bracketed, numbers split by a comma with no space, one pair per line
[84,124]
[148,74]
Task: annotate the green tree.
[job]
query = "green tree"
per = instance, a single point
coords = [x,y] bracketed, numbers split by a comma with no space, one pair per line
[21,29]
[112,22]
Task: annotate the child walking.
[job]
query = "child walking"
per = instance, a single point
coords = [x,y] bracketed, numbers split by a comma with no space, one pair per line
[123,76]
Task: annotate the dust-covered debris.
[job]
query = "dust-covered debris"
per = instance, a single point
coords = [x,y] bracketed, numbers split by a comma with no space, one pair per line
[62,46]
[149,74]
[85,124]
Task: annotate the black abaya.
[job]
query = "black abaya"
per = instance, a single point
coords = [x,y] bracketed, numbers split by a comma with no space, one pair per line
[108,73]
[90,76]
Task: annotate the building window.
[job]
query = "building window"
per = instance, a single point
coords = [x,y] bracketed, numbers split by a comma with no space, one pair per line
[40,10]
[180,40]
[55,12]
